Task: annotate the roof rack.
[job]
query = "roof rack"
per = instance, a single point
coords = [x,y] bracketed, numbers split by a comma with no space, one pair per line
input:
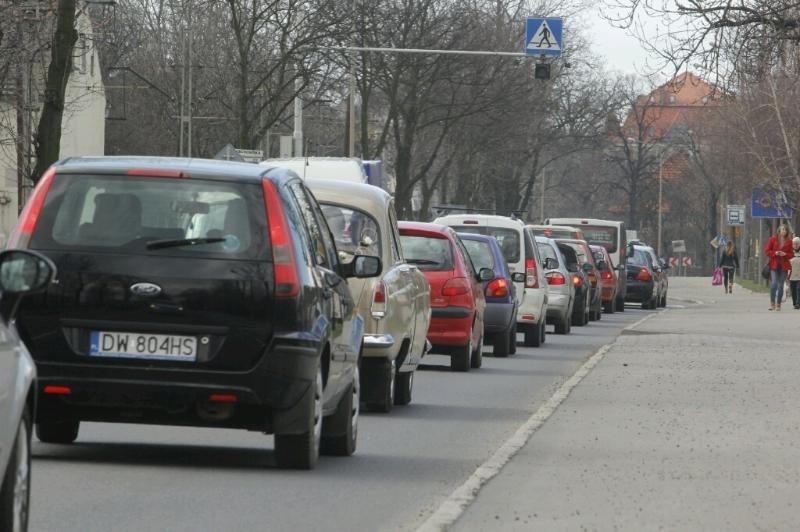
[442,210]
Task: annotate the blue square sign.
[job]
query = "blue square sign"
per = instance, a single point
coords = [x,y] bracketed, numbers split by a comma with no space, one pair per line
[543,36]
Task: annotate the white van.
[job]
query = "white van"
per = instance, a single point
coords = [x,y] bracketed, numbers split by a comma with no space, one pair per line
[611,235]
[340,168]
[522,256]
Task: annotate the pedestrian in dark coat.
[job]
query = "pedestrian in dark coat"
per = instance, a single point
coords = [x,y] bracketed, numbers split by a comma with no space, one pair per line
[729,262]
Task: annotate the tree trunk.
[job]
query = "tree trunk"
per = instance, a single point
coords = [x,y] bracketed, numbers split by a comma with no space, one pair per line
[48,133]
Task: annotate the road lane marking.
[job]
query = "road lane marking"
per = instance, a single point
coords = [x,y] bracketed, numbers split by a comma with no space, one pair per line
[457,503]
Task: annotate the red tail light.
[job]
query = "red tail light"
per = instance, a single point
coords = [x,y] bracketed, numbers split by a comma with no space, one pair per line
[531,279]
[455,287]
[555,278]
[378,309]
[643,275]
[287,283]
[51,389]
[497,288]
[21,236]
[606,274]
[576,280]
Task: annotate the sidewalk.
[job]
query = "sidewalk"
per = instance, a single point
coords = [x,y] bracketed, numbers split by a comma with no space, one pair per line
[691,421]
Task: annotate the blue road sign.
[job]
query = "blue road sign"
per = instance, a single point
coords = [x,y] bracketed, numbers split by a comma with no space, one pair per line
[543,36]
[769,204]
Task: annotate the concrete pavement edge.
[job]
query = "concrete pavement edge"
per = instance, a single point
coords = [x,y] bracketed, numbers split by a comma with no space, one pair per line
[459,500]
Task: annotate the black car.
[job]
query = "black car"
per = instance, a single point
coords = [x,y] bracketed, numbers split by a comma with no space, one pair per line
[192,292]
[644,282]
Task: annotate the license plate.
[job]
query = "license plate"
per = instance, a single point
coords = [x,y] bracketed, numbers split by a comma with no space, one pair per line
[138,345]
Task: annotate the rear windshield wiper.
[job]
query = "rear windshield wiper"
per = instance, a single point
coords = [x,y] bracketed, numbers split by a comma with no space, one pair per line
[422,261]
[180,242]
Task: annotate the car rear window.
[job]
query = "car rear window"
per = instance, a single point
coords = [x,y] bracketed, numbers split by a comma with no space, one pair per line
[601,236]
[507,238]
[580,252]
[547,252]
[640,258]
[480,253]
[124,214]
[432,254]
[354,231]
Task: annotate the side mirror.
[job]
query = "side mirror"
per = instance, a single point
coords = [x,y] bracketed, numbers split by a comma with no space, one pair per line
[22,272]
[622,267]
[601,265]
[550,263]
[362,266]
[587,267]
[486,274]
[573,268]
[518,277]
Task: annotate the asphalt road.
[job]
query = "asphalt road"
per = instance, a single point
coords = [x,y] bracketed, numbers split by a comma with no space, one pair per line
[148,478]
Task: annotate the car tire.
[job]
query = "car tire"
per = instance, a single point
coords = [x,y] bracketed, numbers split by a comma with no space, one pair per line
[620,304]
[533,335]
[562,325]
[340,429]
[387,387]
[301,451]
[16,483]
[663,301]
[476,359]
[512,339]
[63,432]
[608,306]
[544,331]
[461,357]
[501,347]
[403,386]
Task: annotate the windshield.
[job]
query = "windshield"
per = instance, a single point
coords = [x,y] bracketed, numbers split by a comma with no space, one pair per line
[480,253]
[507,238]
[354,231]
[601,236]
[126,214]
[427,253]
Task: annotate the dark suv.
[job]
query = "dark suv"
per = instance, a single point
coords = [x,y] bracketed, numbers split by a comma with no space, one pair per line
[192,292]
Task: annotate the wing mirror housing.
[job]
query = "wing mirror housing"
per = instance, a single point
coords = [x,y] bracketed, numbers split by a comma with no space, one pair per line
[587,267]
[550,263]
[601,265]
[22,272]
[518,277]
[361,267]
[486,274]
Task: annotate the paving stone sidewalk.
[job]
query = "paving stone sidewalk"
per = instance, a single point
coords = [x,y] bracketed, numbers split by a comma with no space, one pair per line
[690,422]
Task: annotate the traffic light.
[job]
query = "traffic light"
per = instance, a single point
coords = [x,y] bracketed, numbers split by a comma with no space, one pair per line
[541,71]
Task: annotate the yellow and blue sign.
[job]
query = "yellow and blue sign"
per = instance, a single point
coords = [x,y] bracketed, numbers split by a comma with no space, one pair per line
[766,203]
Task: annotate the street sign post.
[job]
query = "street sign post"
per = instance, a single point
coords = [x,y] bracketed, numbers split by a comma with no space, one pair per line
[679,246]
[543,36]
[735,214]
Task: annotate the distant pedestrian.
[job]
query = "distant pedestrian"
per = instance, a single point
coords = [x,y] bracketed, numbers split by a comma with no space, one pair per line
[779,251]
[729,262]
[794,274]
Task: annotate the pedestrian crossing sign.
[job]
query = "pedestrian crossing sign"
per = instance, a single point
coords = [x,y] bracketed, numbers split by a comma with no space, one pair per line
[543,36]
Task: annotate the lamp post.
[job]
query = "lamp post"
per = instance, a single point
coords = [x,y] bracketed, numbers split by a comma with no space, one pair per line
[660,186]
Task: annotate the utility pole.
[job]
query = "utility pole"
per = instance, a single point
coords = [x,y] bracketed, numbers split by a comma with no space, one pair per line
[541,199]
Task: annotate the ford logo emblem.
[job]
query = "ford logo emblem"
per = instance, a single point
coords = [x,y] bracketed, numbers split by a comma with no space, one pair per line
[145,289]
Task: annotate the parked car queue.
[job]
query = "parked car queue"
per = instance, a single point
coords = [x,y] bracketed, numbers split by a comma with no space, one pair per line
[220,294]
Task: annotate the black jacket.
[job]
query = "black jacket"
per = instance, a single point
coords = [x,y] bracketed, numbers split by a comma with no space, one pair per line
[729,261]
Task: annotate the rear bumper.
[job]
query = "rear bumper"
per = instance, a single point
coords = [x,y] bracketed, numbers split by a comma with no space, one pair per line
[607,292]
[278,384]
[638,291]
[498,317]
[557,306]
[450,326]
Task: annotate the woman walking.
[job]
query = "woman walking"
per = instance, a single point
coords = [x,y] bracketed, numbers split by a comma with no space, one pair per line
[729,262]
[794,274]
[779,251]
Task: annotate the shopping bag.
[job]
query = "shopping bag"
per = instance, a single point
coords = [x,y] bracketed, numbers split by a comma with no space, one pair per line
[716,278]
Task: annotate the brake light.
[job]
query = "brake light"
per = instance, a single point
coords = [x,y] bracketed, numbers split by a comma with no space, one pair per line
[531,279]
[606,274]
[156,172]
[455,287]
[21,236]
[643,275]
[287,283]
[497,288]
[51,389]
[378,309]
[576,280]
[222,398]
[555,278]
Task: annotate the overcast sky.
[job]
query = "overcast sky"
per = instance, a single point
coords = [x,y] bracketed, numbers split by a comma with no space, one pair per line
[621,51]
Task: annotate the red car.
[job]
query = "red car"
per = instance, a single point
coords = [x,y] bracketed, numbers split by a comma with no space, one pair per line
[457,299]
[608,278]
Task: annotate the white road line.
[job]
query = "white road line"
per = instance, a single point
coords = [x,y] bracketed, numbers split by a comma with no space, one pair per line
[457,503]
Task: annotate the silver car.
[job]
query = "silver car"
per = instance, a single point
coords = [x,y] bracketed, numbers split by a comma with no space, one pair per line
[561,291]
[21,272]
